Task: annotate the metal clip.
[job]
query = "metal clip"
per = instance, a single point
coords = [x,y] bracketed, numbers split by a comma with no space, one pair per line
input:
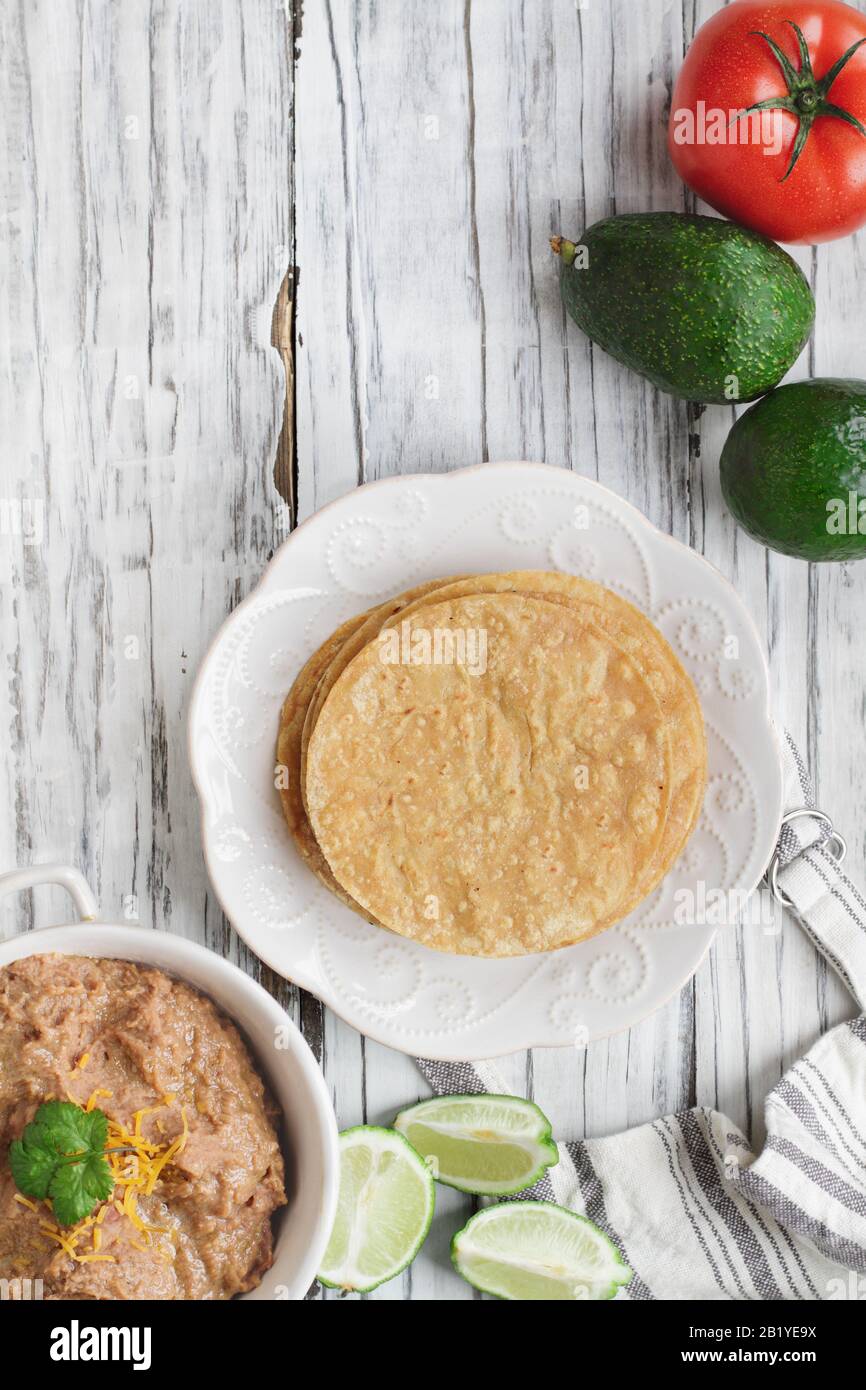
[832,838]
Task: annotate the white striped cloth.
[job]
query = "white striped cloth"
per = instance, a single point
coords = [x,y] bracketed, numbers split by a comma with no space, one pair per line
[693,1211]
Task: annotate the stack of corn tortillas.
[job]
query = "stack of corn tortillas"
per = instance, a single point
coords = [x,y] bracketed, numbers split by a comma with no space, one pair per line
[493,765]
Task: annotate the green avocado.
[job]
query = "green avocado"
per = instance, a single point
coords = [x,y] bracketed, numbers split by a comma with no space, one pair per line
[705,309]
[793,469]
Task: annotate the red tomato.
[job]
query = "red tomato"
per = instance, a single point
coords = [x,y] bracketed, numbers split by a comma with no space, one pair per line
[795,168]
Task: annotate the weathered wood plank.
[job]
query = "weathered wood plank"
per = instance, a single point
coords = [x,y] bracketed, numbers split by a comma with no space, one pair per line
[147,227]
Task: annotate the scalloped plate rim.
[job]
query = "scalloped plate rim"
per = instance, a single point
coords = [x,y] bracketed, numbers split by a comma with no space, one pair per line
[369,1027]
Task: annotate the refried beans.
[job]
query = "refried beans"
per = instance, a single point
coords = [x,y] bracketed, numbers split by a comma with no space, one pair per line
[71,1027]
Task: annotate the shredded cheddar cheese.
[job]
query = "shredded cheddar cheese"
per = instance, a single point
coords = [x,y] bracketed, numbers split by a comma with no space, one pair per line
[140,1114]
[94,1096]
[135,1175]
[66,1242]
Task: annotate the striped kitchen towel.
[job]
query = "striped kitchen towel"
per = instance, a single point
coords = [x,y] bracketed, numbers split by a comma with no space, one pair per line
[693,1211]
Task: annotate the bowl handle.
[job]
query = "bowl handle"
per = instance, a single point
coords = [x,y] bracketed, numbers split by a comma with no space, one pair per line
[71,879]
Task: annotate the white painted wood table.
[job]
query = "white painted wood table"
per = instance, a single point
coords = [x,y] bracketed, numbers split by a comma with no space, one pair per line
[165,164]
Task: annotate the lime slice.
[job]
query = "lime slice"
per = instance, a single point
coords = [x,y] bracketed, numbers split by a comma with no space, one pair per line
[383,1212]
[535,1250]
[491,1145]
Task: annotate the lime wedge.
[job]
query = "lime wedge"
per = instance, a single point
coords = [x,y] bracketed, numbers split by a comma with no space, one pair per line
[535,1250]
[384,1210]
[491,1145]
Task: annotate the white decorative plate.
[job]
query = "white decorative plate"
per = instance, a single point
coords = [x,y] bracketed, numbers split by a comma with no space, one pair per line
[358,551]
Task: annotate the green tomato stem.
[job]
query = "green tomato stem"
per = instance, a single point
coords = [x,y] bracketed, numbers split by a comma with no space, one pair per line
[806,97]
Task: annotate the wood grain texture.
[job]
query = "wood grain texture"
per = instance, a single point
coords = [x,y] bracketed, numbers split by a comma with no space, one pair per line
[438,147]
[147,182]
[146,228]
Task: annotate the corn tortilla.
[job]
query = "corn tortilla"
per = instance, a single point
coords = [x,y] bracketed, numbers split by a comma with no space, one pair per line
[500,811]
[292,719]
[656,661]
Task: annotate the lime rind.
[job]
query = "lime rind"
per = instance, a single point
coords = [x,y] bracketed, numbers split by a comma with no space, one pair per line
[358,1227]
[512,1274]
[463,1136]
[487,1100]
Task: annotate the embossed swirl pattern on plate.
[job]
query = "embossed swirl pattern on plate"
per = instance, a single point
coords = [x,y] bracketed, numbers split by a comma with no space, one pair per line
[387,537]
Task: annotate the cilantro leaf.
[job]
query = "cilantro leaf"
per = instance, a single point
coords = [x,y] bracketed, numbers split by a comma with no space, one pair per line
[32,1166]
[69,1128]
[77,1187]
[61,1155]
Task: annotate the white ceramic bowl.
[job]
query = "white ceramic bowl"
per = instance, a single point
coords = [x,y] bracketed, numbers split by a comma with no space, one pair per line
[294,1078]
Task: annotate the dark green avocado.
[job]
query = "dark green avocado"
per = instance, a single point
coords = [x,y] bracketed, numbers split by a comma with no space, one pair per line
[793,469]
[704,309]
